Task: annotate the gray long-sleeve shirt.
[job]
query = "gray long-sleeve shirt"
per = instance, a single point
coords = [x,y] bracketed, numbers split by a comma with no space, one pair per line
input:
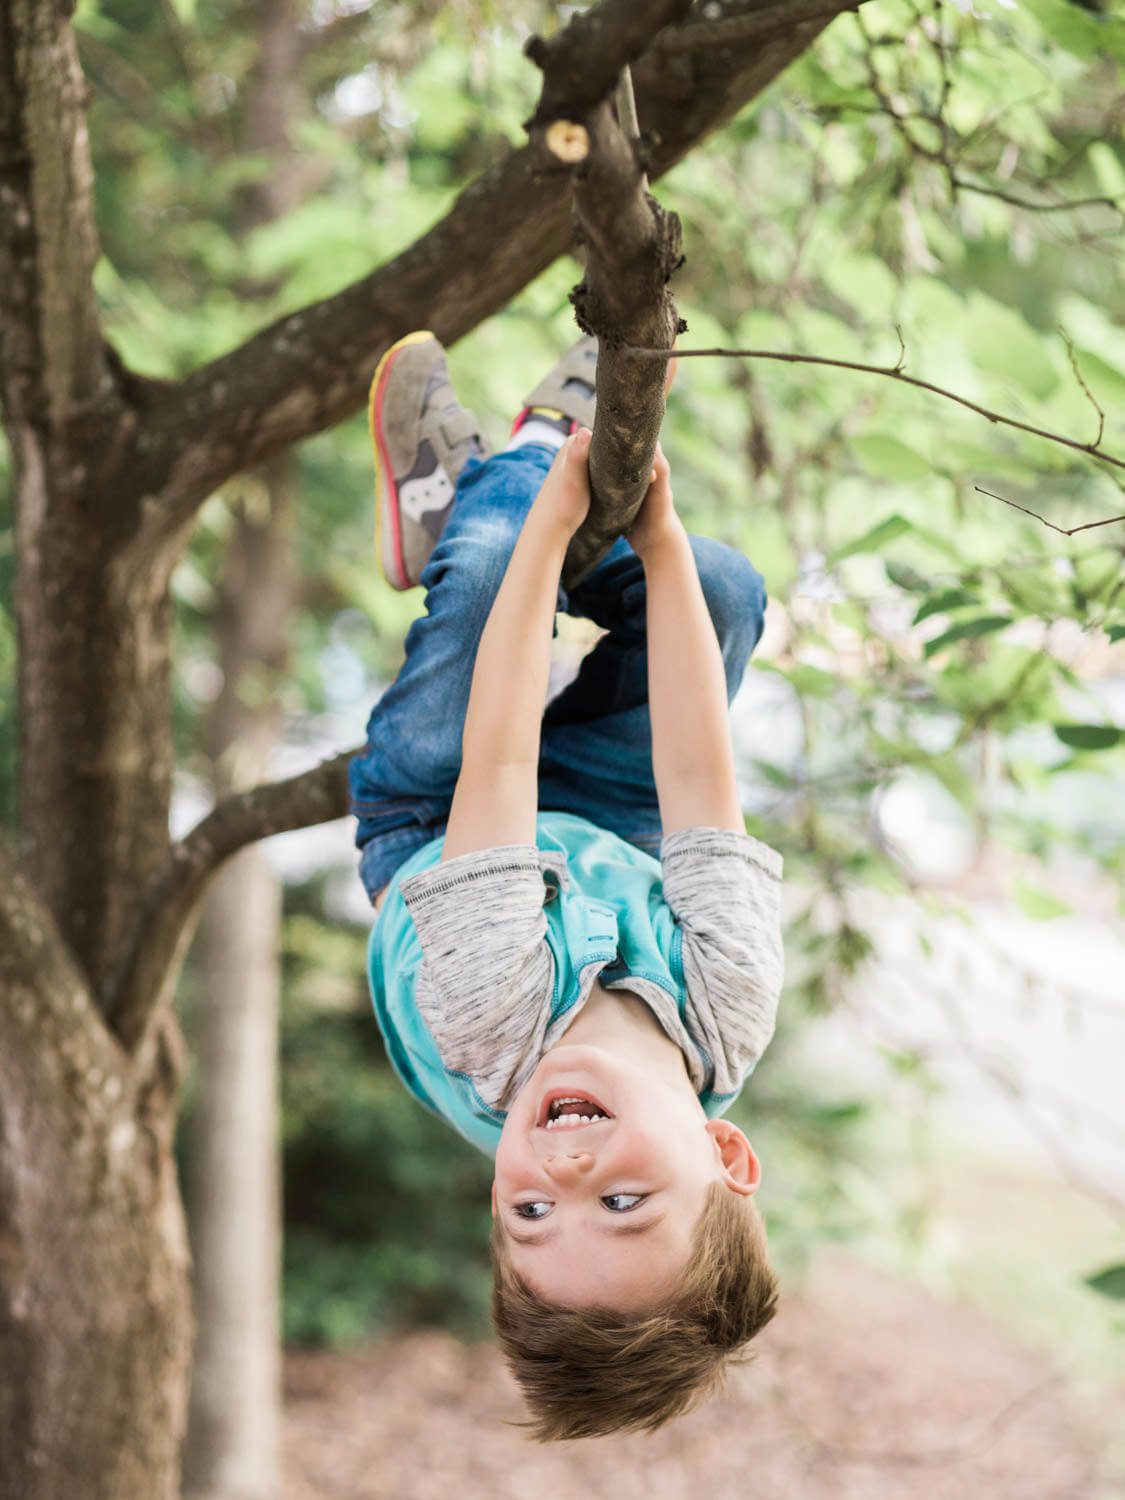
[490,989]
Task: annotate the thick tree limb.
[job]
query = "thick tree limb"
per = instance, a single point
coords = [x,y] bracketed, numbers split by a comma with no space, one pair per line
[311,369]
[165,925]
[54,361]
[582,62]
[748,22]
[632,248]
[47,1014]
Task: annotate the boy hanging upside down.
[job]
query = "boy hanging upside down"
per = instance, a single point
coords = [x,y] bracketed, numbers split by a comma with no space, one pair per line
[577,957]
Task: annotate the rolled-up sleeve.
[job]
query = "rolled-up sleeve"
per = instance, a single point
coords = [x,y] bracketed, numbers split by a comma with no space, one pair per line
[724,890]
[486,979]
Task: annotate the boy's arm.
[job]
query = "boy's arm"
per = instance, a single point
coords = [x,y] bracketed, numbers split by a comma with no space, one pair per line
[496,797]
[692,755]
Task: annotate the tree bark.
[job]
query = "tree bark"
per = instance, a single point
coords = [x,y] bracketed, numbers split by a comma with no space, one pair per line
[632,249]
[94,1315]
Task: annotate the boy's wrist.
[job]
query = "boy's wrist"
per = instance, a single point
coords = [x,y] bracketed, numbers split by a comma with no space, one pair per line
[668,541]
[545,517]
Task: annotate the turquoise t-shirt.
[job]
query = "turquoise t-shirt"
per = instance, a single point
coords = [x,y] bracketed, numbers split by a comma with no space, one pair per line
[605,916]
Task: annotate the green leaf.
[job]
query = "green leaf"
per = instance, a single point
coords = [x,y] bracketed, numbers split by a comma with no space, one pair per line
[864,282]
[812,682]
[879,535]
[1116,633]
[1069,25]
[1003,343]
[955,779]
[1089,736]
[1039,905]
[906,577]
[775,775]
[885,457]
[967,630]
[831,1115]
[906,1064]
[1109,1282]
[939,604]
[1105,380]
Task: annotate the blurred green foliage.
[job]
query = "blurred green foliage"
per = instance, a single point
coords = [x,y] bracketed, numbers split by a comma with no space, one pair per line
[386,1209]
[908,179]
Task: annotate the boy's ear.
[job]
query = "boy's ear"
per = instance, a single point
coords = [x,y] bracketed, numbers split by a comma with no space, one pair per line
[494,1200]
[742,1171]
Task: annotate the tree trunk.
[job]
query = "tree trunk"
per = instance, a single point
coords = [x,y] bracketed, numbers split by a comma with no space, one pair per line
[235,1211]
[94,1306]
[234,1204]
[95,1331]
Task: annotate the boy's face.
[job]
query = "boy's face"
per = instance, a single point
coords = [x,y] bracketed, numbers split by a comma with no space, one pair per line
[604,1213]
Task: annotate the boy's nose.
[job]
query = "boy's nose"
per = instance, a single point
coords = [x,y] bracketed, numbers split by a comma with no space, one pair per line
[572,1164]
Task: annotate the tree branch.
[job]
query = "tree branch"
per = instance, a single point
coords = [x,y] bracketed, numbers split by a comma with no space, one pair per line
[311,369]
[582,63]
[165,925]
[633,248]
[757,21]
[1034,514]
[895,372]
[54,358]
[47,1014]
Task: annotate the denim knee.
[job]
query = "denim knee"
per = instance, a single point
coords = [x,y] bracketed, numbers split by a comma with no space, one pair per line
[466,569]
[736,598]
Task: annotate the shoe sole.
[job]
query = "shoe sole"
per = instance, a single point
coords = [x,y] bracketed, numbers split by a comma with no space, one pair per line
[388,517]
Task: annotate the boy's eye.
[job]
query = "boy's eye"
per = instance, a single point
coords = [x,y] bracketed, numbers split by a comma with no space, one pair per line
[532,1210]
[621,1203]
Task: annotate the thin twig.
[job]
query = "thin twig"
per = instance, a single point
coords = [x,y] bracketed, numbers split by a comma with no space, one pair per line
[1062,530]
[1078,376]
[892,372]
[943,156]
[1037,208]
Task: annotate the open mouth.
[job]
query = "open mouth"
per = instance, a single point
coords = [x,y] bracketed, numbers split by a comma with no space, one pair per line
[567,1110]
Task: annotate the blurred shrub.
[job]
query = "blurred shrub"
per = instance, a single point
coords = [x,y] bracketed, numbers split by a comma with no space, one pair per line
[386,1209]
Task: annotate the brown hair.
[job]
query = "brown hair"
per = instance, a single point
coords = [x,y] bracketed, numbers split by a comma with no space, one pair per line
[588,1371]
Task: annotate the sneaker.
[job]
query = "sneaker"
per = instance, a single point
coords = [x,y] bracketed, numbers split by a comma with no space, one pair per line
[565,398]
[422,438]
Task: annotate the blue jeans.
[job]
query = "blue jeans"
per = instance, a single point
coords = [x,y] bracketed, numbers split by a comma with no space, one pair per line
[596,745]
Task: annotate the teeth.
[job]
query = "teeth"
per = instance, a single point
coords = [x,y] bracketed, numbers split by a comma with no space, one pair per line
[570,1120]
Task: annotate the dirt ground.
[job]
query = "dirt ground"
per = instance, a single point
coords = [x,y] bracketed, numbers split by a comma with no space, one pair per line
[864,1389]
